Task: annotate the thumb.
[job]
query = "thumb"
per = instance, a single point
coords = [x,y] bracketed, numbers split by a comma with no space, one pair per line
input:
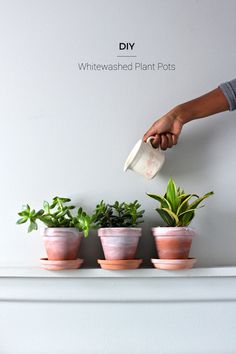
[151,132]
[156,141]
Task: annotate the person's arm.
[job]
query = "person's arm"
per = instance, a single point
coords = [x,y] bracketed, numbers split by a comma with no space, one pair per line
[229,90]
[204,106]
[167,129]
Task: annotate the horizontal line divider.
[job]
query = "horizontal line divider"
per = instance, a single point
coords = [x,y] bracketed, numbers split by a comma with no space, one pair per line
[129,301]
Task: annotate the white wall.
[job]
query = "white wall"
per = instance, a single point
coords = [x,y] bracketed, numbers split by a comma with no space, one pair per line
[68,132]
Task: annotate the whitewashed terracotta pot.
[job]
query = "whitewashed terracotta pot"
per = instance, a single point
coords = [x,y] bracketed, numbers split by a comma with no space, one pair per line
[61,243]
[119,242]
[173,242]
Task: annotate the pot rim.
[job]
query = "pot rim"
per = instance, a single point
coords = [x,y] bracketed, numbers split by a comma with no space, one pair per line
[164,230]
[120,231]
[120,228]
[61,232]
[173,261]
[62,228]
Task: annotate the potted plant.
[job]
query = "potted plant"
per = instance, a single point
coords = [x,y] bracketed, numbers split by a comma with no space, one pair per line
[118,231]
[64,230]
[177,209]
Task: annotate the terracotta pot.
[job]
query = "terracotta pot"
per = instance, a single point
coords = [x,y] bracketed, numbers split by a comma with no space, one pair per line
[61,243]
[119,242]
[173,242]
[61,265]
[174,264]
[119,264]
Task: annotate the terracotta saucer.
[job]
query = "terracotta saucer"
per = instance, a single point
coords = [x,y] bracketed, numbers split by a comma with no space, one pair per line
[60,265]
[119,264]
[174,264]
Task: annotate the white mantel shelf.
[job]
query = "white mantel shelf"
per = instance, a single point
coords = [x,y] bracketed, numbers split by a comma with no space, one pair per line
[37,272]
[98,285]
[59,305]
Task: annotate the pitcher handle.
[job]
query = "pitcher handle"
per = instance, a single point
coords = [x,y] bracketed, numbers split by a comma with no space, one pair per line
[149,142]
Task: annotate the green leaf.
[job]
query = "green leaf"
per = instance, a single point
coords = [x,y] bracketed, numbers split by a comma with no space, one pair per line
[39,213]
[171,195]
[194,204]
[187,218]
[46,206]
[22,220]
[23,213]
[61,199]
[172,215]
[47,220]
[86,232]
[54,203]
[65,200]
[63,213]
[188,210]
[25,210]
[183,195]
[32,212]
[166,217]
[79,212]
[32,226]
[183,206]
[163,201]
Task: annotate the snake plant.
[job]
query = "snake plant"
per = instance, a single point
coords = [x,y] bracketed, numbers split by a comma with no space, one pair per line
[176,207]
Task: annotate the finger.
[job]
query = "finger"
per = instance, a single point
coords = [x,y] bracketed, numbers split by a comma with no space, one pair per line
[151,132]
[169,140]
[164,142]
[156,141]
[174,139]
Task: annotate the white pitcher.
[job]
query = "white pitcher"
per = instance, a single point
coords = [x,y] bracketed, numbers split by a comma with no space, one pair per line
[145,159]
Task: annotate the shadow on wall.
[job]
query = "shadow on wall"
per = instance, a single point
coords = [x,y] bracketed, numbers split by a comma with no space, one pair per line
[215,242]
[91,250]
[146,247]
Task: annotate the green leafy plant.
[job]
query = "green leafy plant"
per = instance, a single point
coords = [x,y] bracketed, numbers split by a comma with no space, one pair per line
[176,207]
[118,214]
[56,214]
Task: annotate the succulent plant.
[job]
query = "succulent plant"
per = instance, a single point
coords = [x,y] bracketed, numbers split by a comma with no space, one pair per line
[118,214]
[56,214]
[176,207]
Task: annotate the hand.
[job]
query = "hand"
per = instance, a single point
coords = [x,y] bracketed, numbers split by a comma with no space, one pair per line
[166,130]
